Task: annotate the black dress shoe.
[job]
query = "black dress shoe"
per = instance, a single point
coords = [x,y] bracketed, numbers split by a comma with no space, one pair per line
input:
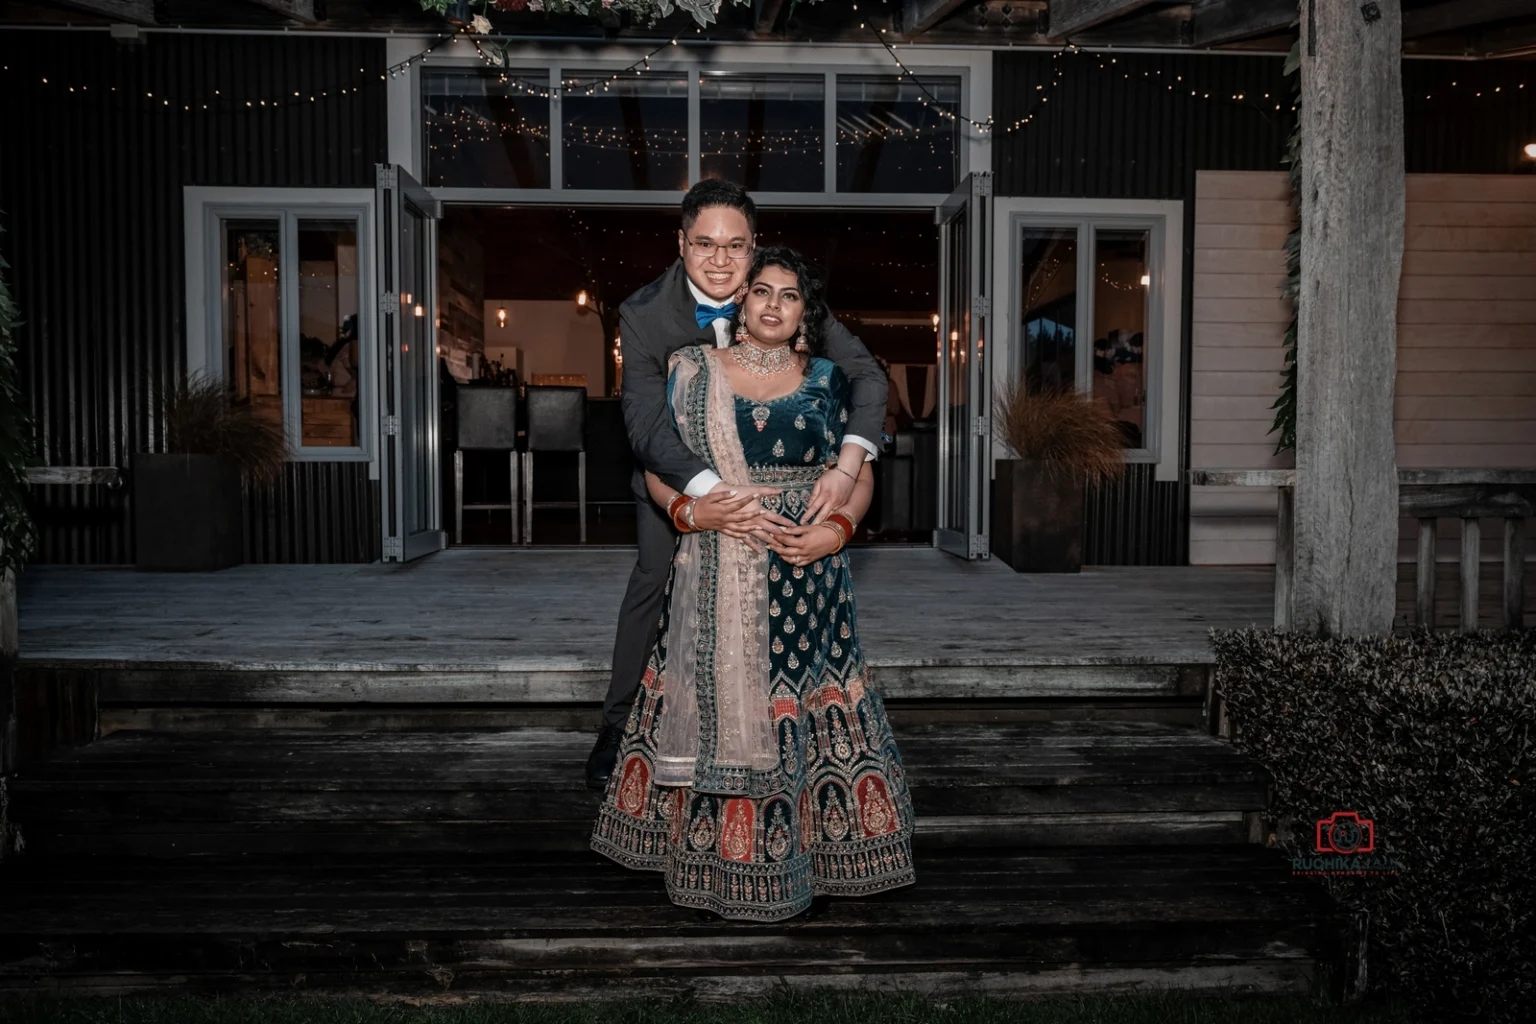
[605,754]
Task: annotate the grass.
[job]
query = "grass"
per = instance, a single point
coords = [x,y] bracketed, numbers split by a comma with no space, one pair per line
[808,1008]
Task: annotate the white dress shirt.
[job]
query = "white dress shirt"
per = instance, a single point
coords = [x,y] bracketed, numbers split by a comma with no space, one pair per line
[705,481]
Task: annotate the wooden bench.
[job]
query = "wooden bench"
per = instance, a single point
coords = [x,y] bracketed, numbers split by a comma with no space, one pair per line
[1427,495]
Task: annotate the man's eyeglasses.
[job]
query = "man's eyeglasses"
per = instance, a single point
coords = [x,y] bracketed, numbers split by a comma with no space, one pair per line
[705,249]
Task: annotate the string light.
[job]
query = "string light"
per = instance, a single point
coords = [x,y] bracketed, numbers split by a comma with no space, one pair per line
[604,82]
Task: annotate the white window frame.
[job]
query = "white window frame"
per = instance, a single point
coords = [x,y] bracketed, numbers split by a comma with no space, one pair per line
[205,209]
[1164,220]
[972,66]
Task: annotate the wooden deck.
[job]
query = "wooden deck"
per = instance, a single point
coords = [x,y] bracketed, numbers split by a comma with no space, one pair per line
[555,611]
[368,780]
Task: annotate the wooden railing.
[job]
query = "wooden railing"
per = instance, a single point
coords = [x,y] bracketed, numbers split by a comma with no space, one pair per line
[1427,495]
[110,476]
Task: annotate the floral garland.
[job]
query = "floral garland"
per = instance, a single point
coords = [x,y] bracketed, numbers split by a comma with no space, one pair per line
[703,11]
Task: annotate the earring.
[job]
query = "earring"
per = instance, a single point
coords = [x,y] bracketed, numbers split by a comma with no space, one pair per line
[801,345]
[741,334]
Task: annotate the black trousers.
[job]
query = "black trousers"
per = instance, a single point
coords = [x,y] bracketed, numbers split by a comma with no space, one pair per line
[640,614]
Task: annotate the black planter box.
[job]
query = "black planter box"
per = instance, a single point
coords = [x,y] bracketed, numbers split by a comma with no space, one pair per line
[1037,518]
[188,513]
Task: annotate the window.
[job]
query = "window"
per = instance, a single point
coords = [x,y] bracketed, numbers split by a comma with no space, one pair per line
[629,134]
[1121,280]
[799,128]
[1094,296]
[286,322]
[486,130]
[765,131]
[1048,304]
[893,134]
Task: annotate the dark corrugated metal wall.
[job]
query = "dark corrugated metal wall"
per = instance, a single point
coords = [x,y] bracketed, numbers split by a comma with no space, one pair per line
[1468,117]
[1137,520]
[1112,128]
[91,198]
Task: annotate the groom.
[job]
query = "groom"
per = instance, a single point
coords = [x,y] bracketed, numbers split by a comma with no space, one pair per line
[693,303]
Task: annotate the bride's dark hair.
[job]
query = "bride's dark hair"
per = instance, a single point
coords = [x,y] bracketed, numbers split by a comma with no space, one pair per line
[812,291]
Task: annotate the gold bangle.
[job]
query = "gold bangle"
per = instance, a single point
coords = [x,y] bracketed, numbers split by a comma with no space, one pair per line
[845,473]
[842,539]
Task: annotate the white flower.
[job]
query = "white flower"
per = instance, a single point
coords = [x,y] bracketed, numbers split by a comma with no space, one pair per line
[480,23]
[535,5]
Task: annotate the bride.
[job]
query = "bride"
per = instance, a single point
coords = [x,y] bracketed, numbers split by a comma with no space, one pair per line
[757,770]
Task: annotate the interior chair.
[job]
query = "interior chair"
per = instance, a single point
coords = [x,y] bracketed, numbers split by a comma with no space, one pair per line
[487,420]
[557,422]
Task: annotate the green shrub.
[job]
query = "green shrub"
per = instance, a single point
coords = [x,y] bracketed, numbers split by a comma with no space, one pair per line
[1433,737]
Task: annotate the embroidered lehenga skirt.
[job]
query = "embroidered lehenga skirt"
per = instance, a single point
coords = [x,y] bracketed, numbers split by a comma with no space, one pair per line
[757,768]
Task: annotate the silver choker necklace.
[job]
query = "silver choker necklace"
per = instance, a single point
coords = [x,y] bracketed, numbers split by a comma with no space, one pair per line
[763,362]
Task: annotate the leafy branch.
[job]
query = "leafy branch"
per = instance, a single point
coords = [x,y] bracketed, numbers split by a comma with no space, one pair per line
[18,534]
[1285,404]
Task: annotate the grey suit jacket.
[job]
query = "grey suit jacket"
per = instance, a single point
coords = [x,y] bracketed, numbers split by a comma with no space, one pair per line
[658,320]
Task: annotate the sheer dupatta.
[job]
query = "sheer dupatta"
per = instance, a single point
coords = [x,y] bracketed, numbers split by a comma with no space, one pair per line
[716,732]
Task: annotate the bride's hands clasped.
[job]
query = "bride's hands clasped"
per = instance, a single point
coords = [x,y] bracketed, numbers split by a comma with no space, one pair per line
[737,512]
[802,545]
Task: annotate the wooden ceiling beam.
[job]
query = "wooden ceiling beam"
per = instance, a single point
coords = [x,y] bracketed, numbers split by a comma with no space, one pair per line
[298,10]
[133,12]
[921,15]
[1456,15]
[1215,22]
[1069,17]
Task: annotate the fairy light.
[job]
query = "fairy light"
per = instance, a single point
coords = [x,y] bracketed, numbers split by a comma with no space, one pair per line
[501,55]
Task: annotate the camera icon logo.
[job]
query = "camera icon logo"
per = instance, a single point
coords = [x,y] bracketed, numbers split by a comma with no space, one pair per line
[1346,832]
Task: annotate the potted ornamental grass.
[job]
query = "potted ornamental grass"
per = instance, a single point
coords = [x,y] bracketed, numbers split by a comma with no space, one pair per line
[189,506]
[1059,443]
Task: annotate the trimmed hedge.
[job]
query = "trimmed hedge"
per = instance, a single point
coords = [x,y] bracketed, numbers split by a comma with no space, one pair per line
[1433,737]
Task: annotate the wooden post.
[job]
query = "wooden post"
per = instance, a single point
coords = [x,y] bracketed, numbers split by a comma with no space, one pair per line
[1514,573]
[1285,555]
[1471,571]
[1426,574]
[1351,258]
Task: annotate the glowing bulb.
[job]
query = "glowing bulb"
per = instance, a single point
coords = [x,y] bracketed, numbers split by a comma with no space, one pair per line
[420,310]
[501,316]
[1530,150]
[935,320]
[1146,279]
[405,297]
[581,297]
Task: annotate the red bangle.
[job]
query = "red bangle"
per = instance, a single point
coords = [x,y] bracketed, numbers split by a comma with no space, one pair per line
[676,505]
[844,522]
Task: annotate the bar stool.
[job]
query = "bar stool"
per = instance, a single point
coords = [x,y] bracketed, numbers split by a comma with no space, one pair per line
[557,422]
[487,422]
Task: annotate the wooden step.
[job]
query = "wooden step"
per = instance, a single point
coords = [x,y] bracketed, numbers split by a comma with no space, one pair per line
[570,926]
[277,792]
[144,682]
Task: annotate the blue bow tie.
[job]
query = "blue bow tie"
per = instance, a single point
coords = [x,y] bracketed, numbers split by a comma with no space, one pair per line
[706,314]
